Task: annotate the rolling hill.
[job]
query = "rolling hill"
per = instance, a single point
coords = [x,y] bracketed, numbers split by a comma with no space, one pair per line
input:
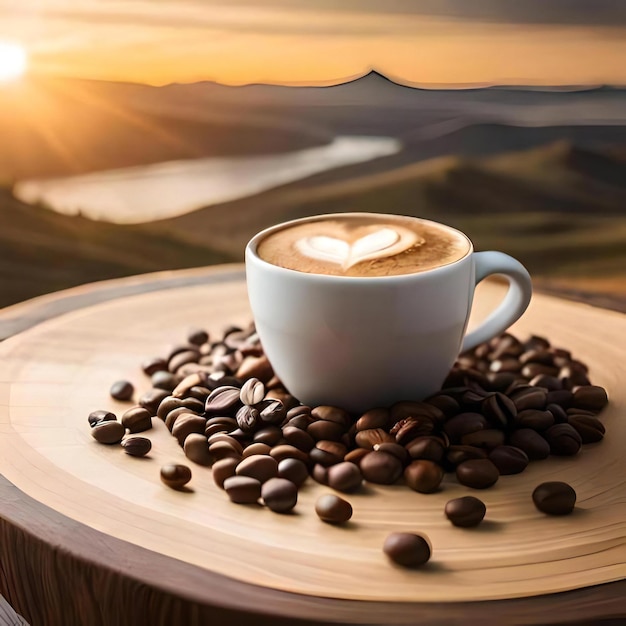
[42,251]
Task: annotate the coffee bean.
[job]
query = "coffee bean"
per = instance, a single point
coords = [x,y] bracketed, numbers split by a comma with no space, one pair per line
[536,342]
[167,405]
[247,418]
[108,431]
[137,446]
[328,453]
[95,417]
[186,424]
[370,437]
[285,451]
[465,512]
[220,425]
[300,421]
[242,489]
[255,367]
[429,448]
[381,468]
[501,381]
[409,428]
[590,429]
[463,424]
[223,469]
[509,460]
[477,473]
[325,429]
[197,336]
[194,405]
[196,449]
[175,476]
[508,365]
[182,358]
[137,419]
[152,398]
[554,498]
[562,397]
[178,349]
[279,495]
[252,392]
[122,390]
[223,401]
[259,466]
[298,438]
[332,509]
[293,470]
[592,398]
[164,380]
[296,411]
[271,411]
[535,369]
[563,440]
[332,414]
[320,474]
[531,442]
[558,413]
[407,549]
[535,419]
[529,398]
[355,456]
[457,454]
[375,418]
[344,476]
[445,403]
[499,409]
[173,416]
[256,448]
[269,435]
[537,356]
[572,377]
[224,449]
[472,399]
[394,449]
[551,383]
[423,476]
[152,365]
[200,393]
[488,438]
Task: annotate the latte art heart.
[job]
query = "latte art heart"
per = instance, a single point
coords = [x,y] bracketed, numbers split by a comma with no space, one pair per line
[379,244]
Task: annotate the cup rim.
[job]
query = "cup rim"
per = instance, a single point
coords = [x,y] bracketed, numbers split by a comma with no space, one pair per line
[252,245]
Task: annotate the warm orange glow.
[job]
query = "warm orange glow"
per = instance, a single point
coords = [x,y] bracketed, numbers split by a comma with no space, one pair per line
[13,61]
[165,42]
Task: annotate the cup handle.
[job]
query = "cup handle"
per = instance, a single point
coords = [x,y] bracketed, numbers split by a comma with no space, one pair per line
[515,302]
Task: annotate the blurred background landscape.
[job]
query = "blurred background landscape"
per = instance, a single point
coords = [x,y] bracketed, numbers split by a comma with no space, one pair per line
[143,136]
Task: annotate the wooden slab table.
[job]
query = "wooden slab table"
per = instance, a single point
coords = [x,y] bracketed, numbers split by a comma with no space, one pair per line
[90,537]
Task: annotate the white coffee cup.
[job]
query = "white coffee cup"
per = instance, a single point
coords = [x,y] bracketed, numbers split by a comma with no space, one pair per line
[366,342]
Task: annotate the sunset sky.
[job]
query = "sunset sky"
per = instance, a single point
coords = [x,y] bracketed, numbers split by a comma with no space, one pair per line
[427,42]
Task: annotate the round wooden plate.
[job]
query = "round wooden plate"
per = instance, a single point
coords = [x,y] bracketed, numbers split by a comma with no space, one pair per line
[53,375]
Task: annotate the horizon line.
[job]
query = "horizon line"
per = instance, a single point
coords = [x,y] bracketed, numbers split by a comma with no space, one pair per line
[335,82]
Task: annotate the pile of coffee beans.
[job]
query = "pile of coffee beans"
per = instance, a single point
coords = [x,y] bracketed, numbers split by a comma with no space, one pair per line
[503,405]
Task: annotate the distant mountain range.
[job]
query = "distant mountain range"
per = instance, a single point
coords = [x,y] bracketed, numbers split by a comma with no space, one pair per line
[53,126]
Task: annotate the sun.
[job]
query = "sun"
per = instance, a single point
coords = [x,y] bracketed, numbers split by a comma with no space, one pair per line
[13,61]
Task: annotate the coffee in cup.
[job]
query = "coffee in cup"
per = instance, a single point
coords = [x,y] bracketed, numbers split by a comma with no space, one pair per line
[363,310]
[363,245]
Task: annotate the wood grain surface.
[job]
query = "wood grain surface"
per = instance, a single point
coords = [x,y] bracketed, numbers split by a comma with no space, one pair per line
[52,376]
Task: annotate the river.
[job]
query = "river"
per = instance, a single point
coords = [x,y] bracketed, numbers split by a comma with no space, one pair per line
[150,192]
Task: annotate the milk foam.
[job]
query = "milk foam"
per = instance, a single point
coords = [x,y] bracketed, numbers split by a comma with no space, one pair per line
[377,245]
[364,245]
